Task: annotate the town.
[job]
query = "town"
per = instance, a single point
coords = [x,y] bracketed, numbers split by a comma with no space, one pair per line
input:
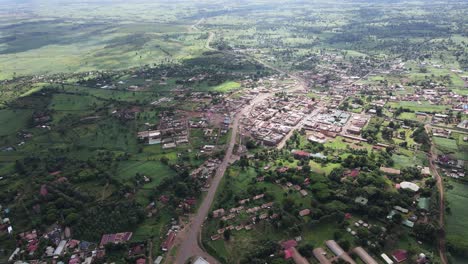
[286,141]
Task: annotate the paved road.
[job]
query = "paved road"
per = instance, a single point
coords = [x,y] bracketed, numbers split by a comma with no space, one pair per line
[190,237]
[189,240]
[440,187]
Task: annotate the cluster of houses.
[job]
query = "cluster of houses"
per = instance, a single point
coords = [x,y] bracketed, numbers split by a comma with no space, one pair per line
[270,121]
[207,169]
[255,214]
[334,252]
[171,132]
[451,167]
[335,122]
[60,244]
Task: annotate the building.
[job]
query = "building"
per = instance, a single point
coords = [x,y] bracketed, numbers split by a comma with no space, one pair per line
[320,255]
[409,186]
[297,257]
[218,213]
[400,255]
[304,212]
[386,258]
[59,250]
[366,258]
[426,171]
[299,154]
[115,238]
[167,244]
[200,260]
[335,248]
[390,171]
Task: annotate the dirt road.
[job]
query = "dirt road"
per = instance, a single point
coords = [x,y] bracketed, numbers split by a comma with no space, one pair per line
[440,187]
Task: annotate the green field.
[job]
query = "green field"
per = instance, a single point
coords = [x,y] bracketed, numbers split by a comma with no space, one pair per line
[420,106]
[152,169]
[70,102]
[450,146]
[13,120]
[227,87]
[457,226]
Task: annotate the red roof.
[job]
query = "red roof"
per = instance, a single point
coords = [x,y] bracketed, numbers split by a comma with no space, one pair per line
[400,255]
[354,173]
[166,245]
[115,238]
[348,216]
[73,243]
[164,199]
[288,244]
[288,253]
[301,153]
[32,247]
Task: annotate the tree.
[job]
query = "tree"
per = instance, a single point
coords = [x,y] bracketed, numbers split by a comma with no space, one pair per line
[227,234]
[71,219]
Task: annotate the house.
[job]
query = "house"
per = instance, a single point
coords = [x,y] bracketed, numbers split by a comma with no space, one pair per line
[141,261]
[426,171]
[390,171]
[351,173]
[200,260]
[260,196]
[167,244]
[304,212]
[158,260]
[400,255]
[409,186]
[115,238]
[169,145]
[218,213]
[335,248]
[288,244]
[386,258]
[364,255]
[215,237]
[300,154]
[401,209]
[320,255]
[60,248]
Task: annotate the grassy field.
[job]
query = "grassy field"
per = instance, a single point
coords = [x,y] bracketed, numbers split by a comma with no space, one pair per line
[13,120]
[457,226]
[70,102]
[227,87]
[450,146]
[53,46]
[152,169]
[403,161]
[419,106]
